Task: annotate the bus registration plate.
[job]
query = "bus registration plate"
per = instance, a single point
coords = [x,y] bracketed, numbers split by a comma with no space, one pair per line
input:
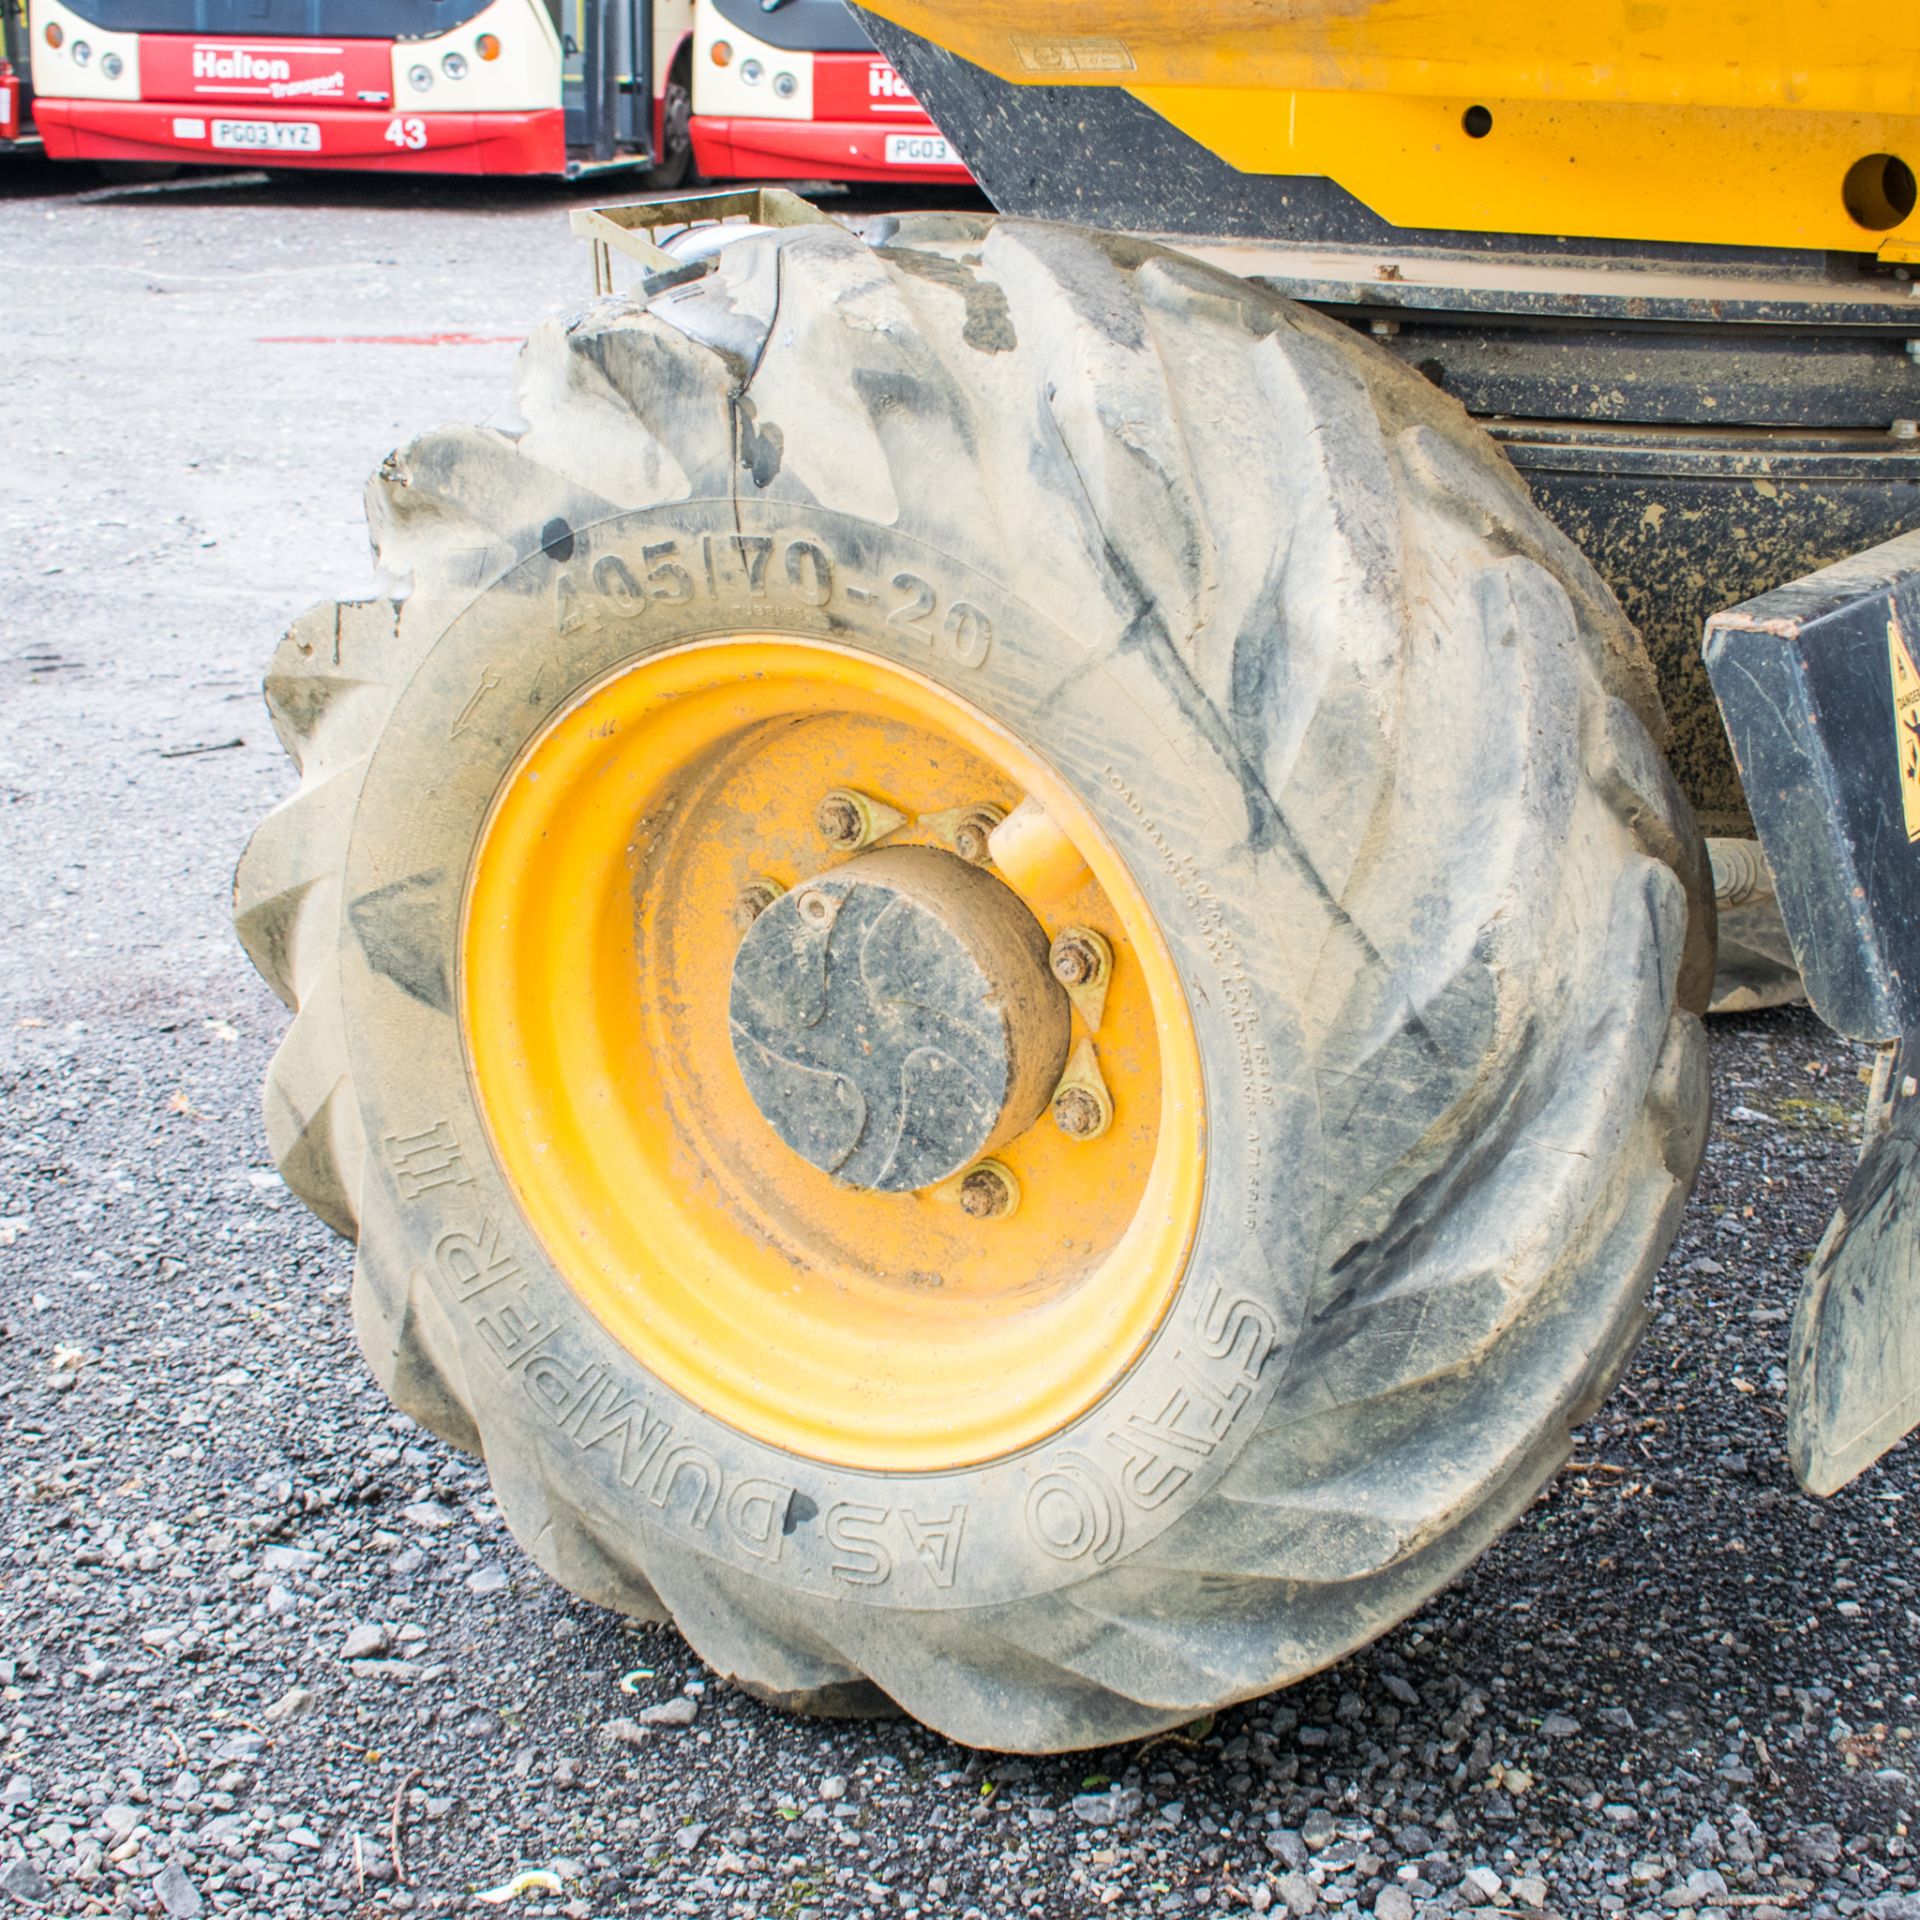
[267,136]
[917,150]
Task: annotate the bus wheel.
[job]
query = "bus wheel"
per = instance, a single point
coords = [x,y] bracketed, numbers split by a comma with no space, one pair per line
[676,122]
[997,966]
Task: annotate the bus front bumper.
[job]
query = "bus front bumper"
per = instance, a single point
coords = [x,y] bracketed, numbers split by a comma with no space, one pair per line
[728,148]
[523,143]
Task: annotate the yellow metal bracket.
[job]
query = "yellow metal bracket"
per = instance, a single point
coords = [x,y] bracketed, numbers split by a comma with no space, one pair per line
[1775,177]
[1754,123]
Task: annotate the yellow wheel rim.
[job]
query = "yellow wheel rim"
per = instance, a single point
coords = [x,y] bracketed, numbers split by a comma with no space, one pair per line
[876,1330]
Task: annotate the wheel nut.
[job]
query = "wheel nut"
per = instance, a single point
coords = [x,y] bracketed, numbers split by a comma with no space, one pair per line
[754,899]
[971,832]
[1082,1107]
[848,821]
[989,1191]
[1080,957]
[1080,1113]
[815,909]
[838,819]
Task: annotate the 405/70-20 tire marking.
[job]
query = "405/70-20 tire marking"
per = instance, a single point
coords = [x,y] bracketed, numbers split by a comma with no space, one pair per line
[773,569]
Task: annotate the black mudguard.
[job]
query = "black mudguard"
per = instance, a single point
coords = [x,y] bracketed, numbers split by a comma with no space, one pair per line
[1854,1375]
[1819,685]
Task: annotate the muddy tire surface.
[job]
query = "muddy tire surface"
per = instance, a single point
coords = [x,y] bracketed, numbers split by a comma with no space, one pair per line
[1372,739]
[1754,965]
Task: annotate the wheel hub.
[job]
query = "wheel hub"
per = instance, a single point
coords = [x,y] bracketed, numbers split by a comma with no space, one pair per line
[895,1018]
[771,1085]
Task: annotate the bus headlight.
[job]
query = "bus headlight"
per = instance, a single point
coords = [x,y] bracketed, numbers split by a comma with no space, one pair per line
[112,65]
[785,85]
[751,71]
[454,66]
[82,53]
[487,47]
[419,78]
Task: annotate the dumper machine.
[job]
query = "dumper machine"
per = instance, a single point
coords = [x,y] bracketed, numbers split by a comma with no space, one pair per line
[999,943]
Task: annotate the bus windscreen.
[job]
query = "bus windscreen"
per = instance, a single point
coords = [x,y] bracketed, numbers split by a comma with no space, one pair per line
[798,26]
[289,19]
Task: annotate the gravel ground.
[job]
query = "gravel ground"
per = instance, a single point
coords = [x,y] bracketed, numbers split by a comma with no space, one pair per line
[266,1648]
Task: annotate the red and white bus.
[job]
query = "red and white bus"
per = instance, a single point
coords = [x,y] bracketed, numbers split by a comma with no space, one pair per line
[16,126]
[794,89]
[430,86]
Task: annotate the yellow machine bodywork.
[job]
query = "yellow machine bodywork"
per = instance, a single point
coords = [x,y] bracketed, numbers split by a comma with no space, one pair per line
[1747,123]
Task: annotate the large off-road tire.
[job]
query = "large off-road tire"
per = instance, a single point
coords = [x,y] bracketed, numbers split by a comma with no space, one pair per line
[1754,964]
[1366,764]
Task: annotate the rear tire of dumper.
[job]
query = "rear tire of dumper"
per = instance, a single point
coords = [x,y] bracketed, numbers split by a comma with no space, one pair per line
[1381,1117]
[1754,965]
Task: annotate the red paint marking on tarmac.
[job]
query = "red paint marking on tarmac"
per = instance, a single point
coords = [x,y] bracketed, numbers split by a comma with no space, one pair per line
[390,339]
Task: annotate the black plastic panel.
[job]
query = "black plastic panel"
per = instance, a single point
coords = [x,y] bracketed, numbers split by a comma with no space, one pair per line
[1822,722]
[1644,373]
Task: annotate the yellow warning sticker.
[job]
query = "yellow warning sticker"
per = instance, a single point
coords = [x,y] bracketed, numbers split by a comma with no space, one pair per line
[1906,721]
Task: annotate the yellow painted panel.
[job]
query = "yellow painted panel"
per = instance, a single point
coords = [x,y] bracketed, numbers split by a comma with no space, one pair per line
[1649,173]
[1827,56]
[1906,722]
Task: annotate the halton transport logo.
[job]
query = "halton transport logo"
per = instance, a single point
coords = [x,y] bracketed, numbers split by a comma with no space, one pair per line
[242,67]
[322,85]
[236,63]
